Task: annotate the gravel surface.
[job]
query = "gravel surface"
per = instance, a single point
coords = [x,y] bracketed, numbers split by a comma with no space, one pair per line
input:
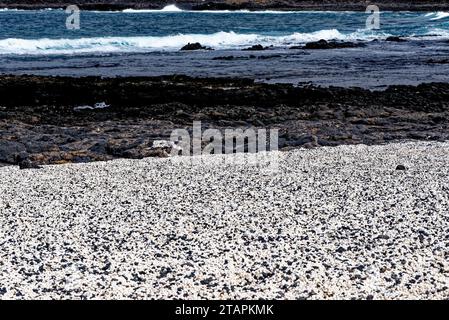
[332,222]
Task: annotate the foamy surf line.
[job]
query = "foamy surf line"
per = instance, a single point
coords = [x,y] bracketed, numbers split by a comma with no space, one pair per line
[174,8]
[218,41]
[437,15]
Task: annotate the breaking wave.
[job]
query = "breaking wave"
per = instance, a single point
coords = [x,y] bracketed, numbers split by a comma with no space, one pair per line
[219,40]
[437,15]
[169,8]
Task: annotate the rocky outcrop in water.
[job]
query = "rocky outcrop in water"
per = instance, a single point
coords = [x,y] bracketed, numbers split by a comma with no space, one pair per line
[323,44]
[194,46]
[395,39]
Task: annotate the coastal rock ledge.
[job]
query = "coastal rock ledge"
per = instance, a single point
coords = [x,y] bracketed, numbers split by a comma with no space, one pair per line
[337,5]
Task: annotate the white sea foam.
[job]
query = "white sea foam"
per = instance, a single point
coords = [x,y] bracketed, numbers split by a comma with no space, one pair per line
[169,8]
[437,15]
[219,40]
[26,10]
[7,9]
[441,15]
[174,8]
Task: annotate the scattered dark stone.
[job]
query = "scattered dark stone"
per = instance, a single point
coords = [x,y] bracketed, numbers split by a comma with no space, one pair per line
[107,266]
[207,281]
[395,39]
[256,47]
[194,46]
[164,272]
[360,267]
[401,167]
[340,250]
[370,297]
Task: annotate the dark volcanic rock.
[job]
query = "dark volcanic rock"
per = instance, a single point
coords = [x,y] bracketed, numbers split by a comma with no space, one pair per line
[395,39]
[323,44]
[228,58]
[28,164]
[39,123]
[194,46]
[256,47]
[10,150]
[441,61]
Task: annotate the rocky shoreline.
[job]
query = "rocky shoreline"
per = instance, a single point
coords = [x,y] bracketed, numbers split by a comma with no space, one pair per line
[53,120]
[335,5]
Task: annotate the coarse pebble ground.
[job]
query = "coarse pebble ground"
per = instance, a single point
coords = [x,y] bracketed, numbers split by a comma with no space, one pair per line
[327,223]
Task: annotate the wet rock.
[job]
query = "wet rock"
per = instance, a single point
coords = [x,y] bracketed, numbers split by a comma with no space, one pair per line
[41,124]
[9,150]
[440,61]
[271,56]
[194,46]
[224,58]
[395,39]
[323,44]
[28,164]
[257,47]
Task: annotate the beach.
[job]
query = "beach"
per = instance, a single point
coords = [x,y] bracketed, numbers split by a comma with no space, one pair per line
[100,198]
[332,223]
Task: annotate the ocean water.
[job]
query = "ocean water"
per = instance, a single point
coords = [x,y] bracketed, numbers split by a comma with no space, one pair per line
[45,32]
[147,42]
